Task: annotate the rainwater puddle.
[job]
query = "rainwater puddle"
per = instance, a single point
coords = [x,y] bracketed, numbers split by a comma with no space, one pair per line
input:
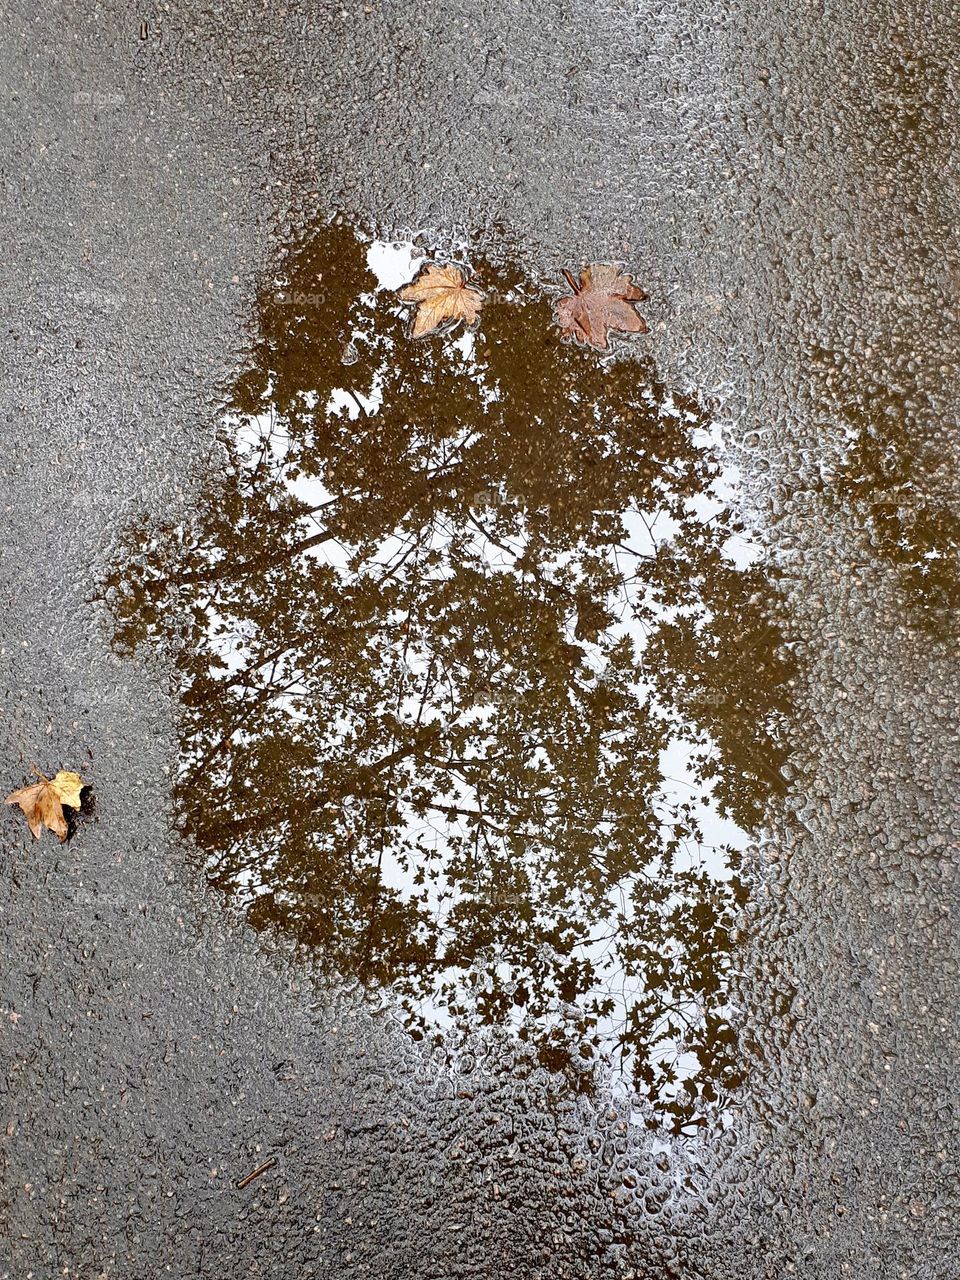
[482,688]
[888,486]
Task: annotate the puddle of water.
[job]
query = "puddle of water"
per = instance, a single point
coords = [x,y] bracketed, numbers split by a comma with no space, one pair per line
[481,683]
[888,485]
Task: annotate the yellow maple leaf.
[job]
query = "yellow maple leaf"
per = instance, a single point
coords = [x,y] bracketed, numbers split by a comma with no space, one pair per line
[442,295]
[42,803]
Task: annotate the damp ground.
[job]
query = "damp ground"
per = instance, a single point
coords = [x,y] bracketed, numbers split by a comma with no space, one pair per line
[785,195]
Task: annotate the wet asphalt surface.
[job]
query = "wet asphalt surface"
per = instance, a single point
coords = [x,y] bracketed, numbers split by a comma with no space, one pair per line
[785,187]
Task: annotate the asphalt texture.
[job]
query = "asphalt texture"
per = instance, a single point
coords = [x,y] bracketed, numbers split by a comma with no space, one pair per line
[784,182]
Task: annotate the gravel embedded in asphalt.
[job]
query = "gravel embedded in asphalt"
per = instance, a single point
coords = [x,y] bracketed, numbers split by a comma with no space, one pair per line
[784,186]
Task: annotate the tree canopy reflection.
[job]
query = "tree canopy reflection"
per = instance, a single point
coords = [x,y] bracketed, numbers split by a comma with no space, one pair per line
[432,644]
[890,481]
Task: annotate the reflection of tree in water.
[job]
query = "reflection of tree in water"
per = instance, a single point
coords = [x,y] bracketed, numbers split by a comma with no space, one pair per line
[888,480]
[418,729]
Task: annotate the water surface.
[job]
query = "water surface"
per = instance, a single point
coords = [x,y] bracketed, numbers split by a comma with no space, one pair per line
[482,683]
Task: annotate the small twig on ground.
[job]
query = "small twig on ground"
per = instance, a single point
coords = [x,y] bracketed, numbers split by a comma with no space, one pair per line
[267,1164]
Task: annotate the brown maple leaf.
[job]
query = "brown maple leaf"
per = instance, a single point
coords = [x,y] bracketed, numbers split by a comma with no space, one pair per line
[442,295]
[42,803]
[604,299]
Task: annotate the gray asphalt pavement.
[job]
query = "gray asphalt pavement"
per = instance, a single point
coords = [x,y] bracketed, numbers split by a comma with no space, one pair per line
[784,182]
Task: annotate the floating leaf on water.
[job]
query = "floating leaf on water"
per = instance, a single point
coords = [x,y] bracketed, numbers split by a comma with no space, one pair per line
[442,296]
[604,299]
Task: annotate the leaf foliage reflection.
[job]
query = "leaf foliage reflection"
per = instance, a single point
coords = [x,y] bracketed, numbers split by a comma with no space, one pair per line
[439,615]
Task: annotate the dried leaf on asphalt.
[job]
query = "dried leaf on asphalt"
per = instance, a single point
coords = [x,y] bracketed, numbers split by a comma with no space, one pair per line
[442,295]
[605,298]
[42,803]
